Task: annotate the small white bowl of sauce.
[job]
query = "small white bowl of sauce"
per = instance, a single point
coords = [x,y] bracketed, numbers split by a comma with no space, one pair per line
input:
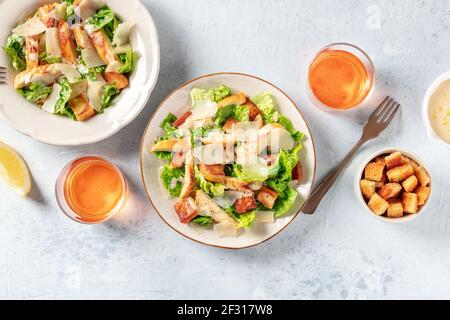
[436,109]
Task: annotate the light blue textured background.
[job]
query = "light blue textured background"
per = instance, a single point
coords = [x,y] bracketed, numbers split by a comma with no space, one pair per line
[341,252]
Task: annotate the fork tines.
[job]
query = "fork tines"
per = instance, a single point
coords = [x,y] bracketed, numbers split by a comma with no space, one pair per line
[386,111]
[3,78]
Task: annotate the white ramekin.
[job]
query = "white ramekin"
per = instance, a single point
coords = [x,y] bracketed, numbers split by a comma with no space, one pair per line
[359,177]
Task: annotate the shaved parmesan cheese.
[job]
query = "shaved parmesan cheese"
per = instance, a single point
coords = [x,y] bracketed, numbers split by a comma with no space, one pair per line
[114,66]
[122,48]
[210,154]
[95,93]
[78,88]
[122,33]
[69,71]
[50,104]
[228,198]
[88,8]
[91,58]
[265,216]
[30,28]
[225,230]
[52,42]
[245,131]
[204,109]
[280,139]
[59,13]
[90,28]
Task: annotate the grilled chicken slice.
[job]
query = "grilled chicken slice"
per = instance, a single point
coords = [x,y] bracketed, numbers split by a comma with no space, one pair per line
[81,37]
[206,206]
[236,99]
[68,47]
[32,51]
[170,145]
[81,108]
[117,79]
[189,176]
[211,173]
[47,74]
[44,14]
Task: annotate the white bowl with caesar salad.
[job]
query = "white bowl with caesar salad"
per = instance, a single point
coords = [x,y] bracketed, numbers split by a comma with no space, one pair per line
[227,160]
[79,70]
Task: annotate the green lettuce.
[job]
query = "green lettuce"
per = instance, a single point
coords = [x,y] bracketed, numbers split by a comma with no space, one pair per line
[164,155]
[15,50]
[127,59]
[203,220]
[61,106]
[285,122]
[49,59]
[102,18]
[35,92]
[286,162]
[241,113]
[110,91]
[214,94]
[266,103]
[245,220]
[285,202]
[213,189]
[223,114]
[92,72]
[169,176]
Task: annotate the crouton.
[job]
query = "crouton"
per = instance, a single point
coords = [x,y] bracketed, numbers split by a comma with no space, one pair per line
[235,99]
[367,188]
[378,205]
[166,145]
[409,202]
[81,108]
[379,159]
[267,197]
[253,110]
[212,170]
[206,206]
[117,79]
[245,204]
[297,172]
[423,193]
[374,171]
[394,160]
[181,120]
[379,185]
[422,176]
[186,210]
[399,174]
[228,125]
[390,190]
[395,209]
[410,184]
[411,162]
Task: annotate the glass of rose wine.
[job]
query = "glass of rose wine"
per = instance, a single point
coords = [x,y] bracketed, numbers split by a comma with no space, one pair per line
[91,190]
[341,77]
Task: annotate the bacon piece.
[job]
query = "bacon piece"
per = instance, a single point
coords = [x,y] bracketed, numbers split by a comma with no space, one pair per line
[297,172]
[181,120]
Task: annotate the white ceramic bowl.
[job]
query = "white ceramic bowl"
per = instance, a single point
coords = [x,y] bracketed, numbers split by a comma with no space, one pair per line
[360,174]
[425,107]
[150,165]
[51,129]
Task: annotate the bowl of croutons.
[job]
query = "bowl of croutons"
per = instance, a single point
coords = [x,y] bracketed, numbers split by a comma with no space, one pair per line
[394,185]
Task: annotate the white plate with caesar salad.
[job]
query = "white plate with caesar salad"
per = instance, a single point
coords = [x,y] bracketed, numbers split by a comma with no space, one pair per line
[79,70]
[227,160]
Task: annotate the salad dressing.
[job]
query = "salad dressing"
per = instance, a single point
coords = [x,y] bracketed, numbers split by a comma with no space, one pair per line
[439,111]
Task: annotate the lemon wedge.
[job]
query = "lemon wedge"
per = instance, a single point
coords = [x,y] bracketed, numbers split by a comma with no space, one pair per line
[14,170]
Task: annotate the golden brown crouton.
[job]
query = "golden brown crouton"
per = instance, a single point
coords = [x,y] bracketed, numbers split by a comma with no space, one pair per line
[245,204]
[235,99]
[267,197]
[252,109]
[409,202]
[390,190]
[395,209]
[378,205]
[394,160]
[379,159]
[186,210]
[81,108]
[410,161]
[423,193]
[367,188]
[374,171]
[118,79]
[422,175]
[399,174]
[379,185]
[410,184]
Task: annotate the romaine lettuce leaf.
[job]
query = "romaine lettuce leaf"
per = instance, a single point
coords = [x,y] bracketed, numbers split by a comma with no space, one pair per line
[15,50]
[35,92]
[103,17]
[164,155]
[285,163]
[62,107]
[266,103]
[110,91]
[171,179]
[245,220]
[223,114]
[214,94]
[285,122]
[284,202]
[127,61]
[241,113]
[213,189]
[203,220]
